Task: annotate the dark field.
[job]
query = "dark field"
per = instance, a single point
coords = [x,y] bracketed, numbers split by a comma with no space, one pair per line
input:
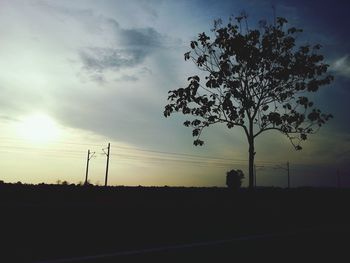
[49,222]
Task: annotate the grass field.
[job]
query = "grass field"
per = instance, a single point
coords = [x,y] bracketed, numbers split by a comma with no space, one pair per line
[45,222]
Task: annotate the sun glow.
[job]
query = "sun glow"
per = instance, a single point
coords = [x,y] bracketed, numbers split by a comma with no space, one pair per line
[38,128]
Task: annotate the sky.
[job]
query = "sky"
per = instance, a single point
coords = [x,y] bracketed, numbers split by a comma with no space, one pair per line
[75,75]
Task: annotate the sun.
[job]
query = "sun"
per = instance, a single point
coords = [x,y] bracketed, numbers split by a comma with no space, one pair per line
[38,128]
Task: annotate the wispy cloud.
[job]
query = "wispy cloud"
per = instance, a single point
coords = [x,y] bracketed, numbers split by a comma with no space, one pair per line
[101,59]
[150,7]
[341,66]
[8,118]
[141,37]
[126,77]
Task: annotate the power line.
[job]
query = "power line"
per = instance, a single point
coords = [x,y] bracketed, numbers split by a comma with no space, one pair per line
[52,142]
[139,150]
[46,154]
[157,151]
[198,164]
[63,153]
[190,155]
[41,149]
[223,162]
[160,159]
[147,158]
[202,157]
[167,157]
[79,152]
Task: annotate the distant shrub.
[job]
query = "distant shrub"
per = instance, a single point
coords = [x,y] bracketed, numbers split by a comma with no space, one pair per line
[88,184]
[234,179]
[64,183]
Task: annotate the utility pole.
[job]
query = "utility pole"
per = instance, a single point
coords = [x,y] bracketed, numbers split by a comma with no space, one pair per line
[254,175]
[286,169]
[89,156]
[338,178]
[288,174]
[107,164]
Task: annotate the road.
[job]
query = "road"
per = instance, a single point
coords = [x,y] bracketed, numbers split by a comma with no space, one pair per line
[330,243]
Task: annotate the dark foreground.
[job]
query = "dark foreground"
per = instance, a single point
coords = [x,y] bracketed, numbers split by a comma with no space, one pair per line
[93,224]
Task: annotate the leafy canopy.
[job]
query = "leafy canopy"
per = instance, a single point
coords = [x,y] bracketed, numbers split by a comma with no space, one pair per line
[256,79]
[234,179]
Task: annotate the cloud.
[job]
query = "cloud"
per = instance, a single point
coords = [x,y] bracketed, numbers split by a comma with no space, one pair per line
[145,37]
[97,62]
[8,118]
[111,47]
[101,59]
[99,78]
[126,77]
[141,37]
[150,7]
[130,48]
[341,66]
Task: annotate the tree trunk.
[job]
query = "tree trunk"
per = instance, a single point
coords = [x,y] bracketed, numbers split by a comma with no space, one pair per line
[251,162]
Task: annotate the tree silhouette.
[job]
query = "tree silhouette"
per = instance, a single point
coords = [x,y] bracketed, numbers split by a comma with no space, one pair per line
[234,179]
[256,79]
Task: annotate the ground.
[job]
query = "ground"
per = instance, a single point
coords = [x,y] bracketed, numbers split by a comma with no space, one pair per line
[163,224]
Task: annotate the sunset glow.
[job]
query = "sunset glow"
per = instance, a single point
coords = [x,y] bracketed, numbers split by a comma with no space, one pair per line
[77,75]
[38,128]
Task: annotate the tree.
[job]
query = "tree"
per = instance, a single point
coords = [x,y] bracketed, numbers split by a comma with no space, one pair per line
[234,179]
[256,79]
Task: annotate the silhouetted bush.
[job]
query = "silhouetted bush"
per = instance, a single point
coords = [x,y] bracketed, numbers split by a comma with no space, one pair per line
[234,179]
[64,183]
